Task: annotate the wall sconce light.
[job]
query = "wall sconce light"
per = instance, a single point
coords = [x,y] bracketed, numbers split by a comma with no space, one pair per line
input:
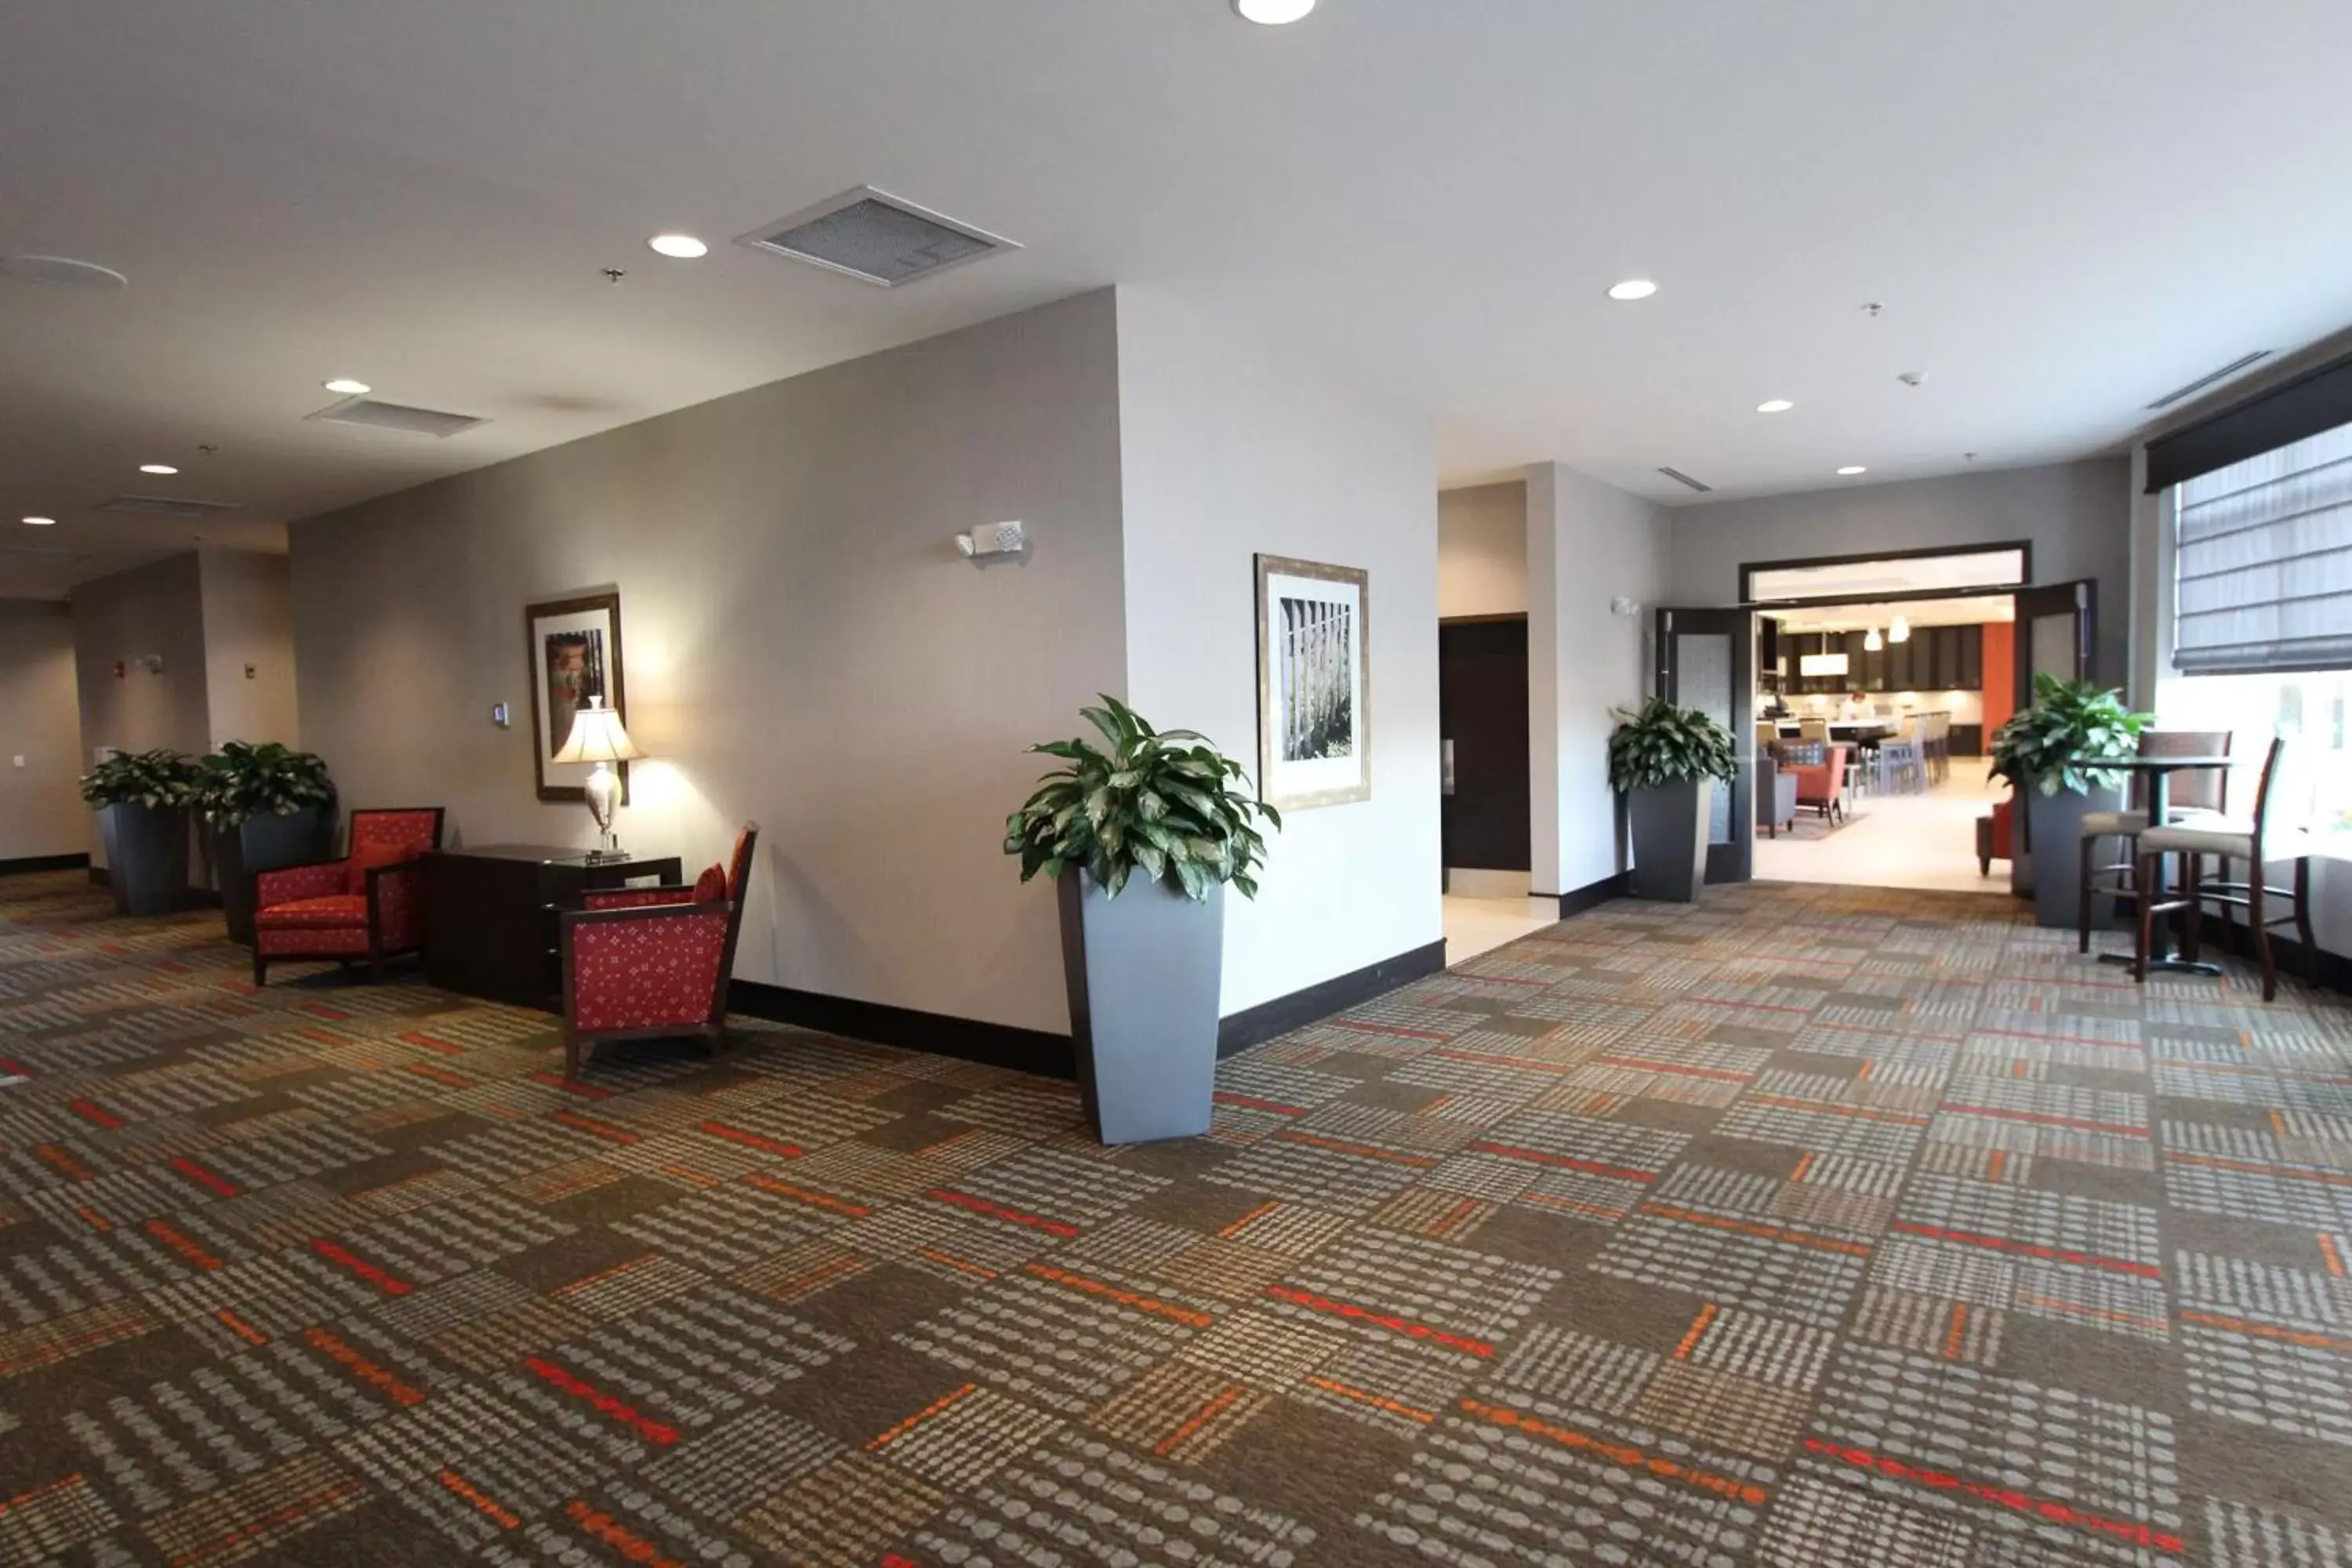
[993,543]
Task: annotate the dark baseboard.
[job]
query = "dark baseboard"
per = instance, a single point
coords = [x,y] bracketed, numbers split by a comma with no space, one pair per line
[1255,1025]
[1592,895]
[967,1039]
[100,877]
[44,863]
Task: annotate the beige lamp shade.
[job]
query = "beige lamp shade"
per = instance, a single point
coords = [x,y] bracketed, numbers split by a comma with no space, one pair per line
[597,737]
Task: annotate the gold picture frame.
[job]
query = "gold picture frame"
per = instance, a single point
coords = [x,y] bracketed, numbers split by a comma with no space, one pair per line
[574,645]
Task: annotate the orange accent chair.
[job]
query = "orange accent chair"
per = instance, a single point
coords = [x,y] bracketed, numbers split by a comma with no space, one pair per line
[642,962]
[1992,835]
[1820,772]
[369,905]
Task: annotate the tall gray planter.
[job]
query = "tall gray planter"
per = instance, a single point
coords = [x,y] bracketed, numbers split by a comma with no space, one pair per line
[146,857]
[1669,823]
[2055,830]
[1143,970]
[263,844]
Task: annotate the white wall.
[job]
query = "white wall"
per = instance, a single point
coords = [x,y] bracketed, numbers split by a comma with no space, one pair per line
[1588,543]
[802,645]
[154,610]
[41,811]
[2077,516]
[248,619]
[1227,452]
[1482,551]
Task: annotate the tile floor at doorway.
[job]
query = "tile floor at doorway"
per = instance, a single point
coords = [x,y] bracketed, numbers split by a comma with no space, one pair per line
[1474,926]
[1926,841]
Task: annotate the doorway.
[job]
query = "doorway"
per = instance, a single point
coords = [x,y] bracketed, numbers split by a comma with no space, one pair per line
[1483,811]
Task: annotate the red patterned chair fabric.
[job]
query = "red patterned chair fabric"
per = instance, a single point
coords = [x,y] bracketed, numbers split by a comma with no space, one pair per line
[645,961]
[368,905]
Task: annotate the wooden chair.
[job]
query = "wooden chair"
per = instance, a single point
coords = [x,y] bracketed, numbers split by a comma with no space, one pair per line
[2272,837]
[369,905]
[2201,792]
[640,962]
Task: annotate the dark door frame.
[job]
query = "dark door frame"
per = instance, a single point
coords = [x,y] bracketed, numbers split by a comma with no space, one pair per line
[1734,862]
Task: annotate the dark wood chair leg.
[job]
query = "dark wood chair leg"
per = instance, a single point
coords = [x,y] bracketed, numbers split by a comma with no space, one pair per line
[2144,876]
[2192,918]
[260,968]
[2083,895]
[2257,917]
[2302,919]
[570,1052]
[2228,915]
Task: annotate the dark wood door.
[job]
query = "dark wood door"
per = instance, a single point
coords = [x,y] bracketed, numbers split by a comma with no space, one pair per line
[1482,718]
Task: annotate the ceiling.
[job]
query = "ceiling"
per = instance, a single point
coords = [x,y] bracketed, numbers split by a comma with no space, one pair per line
[2063,211]
[1974,610]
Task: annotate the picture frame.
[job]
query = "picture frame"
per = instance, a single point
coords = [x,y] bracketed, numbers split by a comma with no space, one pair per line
[1315,683]
[574,647]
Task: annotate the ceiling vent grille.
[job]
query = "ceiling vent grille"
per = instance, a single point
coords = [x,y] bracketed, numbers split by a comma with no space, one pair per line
[875,238]
[2207,379]
[165,506]
[1683,478]
[375,415]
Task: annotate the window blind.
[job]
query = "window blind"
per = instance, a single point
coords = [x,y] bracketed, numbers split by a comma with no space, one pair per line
[2263,566]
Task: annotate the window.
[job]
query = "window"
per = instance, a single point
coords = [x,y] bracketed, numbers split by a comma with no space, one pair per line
[2262,561]
[2309,708]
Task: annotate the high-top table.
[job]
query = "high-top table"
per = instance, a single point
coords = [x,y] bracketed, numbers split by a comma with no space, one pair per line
[2157,771]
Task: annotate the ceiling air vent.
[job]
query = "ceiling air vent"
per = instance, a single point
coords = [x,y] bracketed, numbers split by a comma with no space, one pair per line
[377,415]
[2207,379]
[875,238]
[1683,478]
[165,506]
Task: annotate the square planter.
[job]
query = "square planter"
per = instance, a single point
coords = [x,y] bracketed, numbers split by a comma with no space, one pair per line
[1143,972]
[1669,823]
[264,844]
[2054,829]
[146,857]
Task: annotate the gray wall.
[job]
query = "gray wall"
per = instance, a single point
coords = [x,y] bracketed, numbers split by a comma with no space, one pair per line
[1588,543]
[1229,451]
[150,610]
[804,645]
[2077,515]
[248,608]
[1482,549]
[41,811]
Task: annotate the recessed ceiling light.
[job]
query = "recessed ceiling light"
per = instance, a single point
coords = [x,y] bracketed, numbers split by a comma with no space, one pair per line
[1272,13]
[1851,470]
[682,246]
[41,521]
[344,387]
[157,469]
[1774,406]
[1632,288]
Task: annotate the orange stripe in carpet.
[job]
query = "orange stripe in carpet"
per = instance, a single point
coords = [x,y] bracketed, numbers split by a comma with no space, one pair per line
[632,1546]
[1135,1299]
[1565,1161]
[1957,1337]
[2130,1530]
[936,1256]
[801,1194]
[1860,1113]
[1263,1208]
[1248,1102]
[1363,1396]
[998,1211]
[1405,1326]
[324,1496]
[221,1185]
[1199,1418]
[2029,1248]
[1691,1336]
[239,1327]
[2327,1252]
[483,1504]
[2265,1332]
[1361,1151]
[1624,1454]
[1803,1166]
[920,1416]
[1769,1231]
[751,1139]
[603,1403]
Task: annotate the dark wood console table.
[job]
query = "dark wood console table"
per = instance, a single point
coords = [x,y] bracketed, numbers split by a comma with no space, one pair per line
[489,915]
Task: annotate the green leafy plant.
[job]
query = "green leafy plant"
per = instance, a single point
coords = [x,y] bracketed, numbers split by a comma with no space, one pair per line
[1661,743]
[1153,803]
[156,779]
[242,781]
[2072,724]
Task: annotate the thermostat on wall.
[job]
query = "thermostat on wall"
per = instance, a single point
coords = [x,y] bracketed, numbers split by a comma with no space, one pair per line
[498,714]
[994,542]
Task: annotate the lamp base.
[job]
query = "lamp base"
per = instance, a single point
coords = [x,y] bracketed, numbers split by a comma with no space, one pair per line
[604,792]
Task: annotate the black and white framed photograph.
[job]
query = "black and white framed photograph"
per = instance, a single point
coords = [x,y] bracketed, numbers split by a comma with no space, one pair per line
[575,654]
[1315,683]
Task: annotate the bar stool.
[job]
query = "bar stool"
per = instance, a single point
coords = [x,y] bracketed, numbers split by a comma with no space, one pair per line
[2195,795]
[2262,843]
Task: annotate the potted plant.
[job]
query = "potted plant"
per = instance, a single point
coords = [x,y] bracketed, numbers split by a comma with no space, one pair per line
[1141,840]
[2048,753]
[143,809]
[264,807]
[1664,760]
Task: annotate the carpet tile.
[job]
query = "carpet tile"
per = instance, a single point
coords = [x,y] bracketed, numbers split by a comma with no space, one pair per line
[1806,1227]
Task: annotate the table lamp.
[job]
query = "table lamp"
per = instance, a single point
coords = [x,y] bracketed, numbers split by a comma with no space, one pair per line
[597,737]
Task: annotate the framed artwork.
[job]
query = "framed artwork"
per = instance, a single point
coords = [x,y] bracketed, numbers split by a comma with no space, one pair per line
[575,654]
[1314,683]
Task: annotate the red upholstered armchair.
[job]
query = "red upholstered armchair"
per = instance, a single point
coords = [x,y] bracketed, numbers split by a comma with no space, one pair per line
[1820,772]
[1992,835]
[370,904]
[645,962]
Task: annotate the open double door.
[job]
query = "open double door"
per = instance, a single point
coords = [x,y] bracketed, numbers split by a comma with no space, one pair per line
[1705,659]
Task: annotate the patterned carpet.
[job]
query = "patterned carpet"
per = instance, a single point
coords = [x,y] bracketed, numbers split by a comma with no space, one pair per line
[1815,1227]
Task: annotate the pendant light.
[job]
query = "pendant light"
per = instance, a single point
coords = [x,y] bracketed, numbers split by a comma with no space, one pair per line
[1873,643]
[1900,631]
